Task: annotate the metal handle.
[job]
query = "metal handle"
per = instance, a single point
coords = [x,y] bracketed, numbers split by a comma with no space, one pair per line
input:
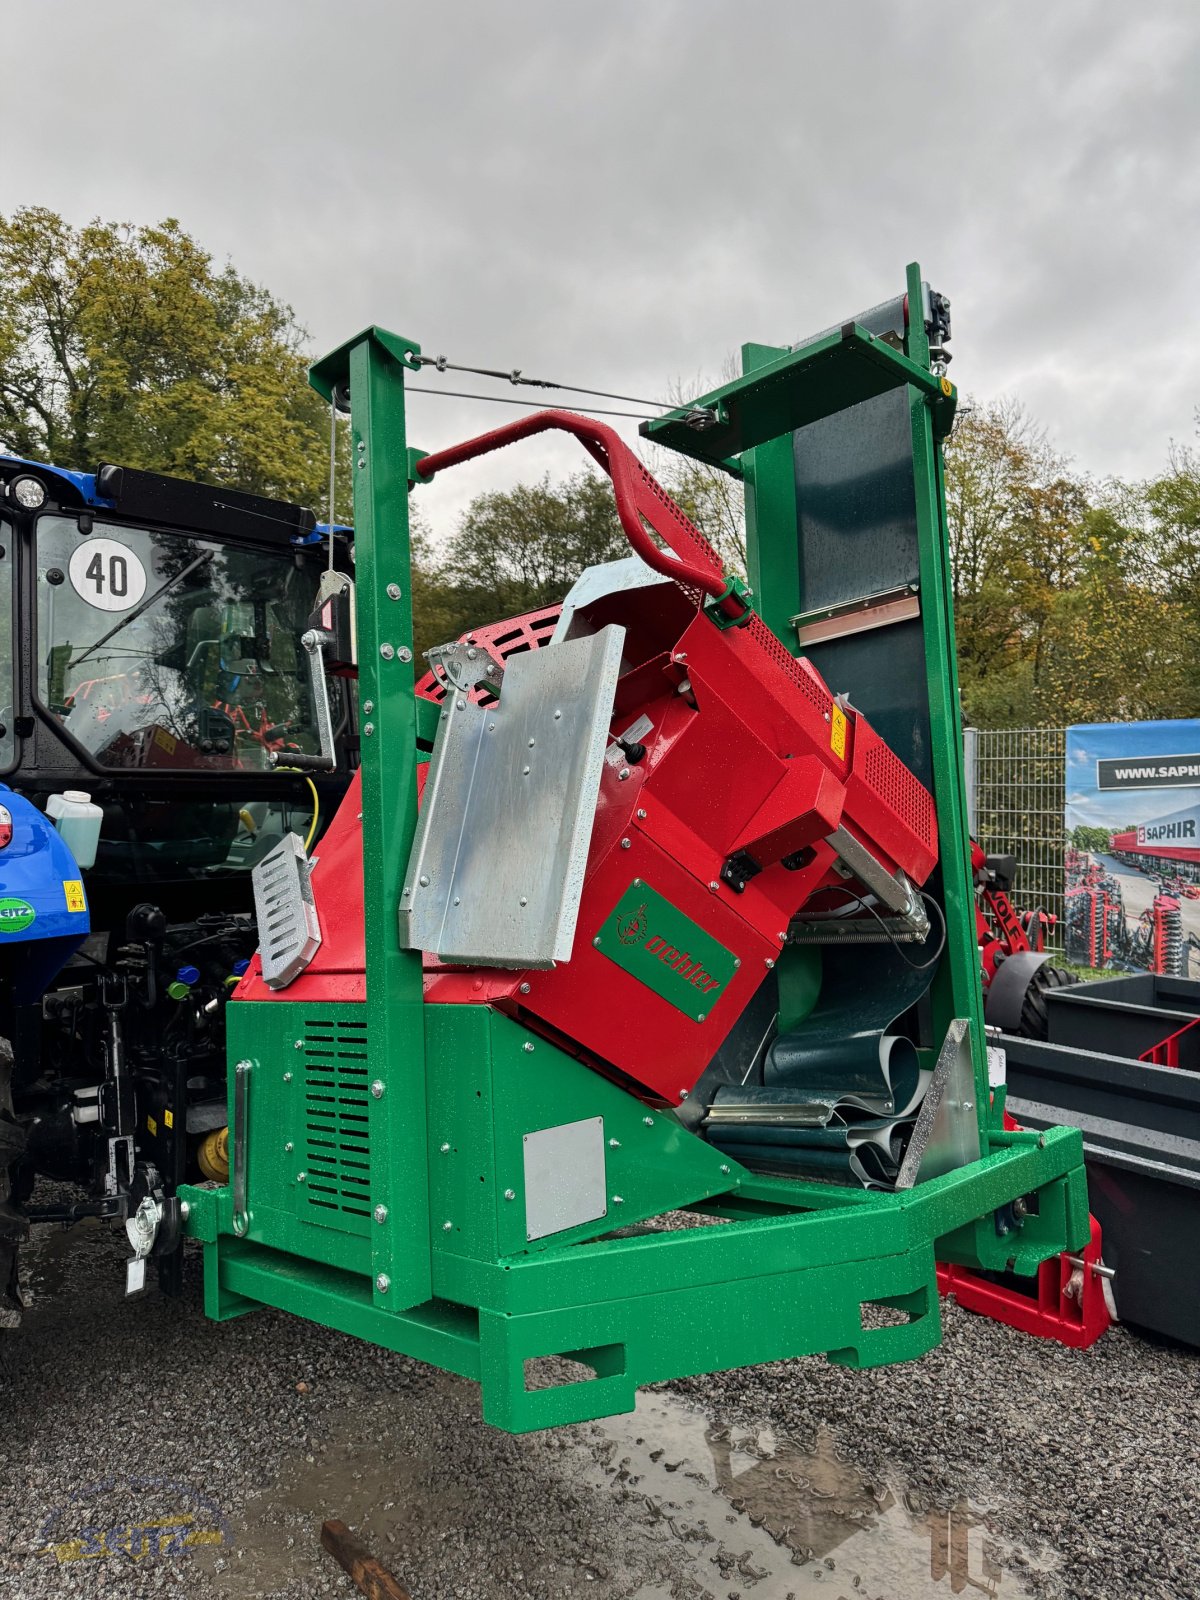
[641,500]
[314,640]
[241,1117]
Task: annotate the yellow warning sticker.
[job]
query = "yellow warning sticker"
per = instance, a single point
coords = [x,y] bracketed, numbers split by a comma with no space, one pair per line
[837,733]
[169,1118]
[73,890]
[164,741]
[152,1125]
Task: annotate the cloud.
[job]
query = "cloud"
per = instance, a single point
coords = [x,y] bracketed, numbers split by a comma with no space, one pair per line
[622,195]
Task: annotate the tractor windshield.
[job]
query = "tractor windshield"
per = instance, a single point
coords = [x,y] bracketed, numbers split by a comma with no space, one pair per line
[156,650]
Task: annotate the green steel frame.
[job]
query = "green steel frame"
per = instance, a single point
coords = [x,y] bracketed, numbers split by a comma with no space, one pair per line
[415,1237]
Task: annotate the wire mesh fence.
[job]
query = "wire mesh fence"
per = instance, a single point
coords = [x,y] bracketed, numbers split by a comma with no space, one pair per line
[1016,798]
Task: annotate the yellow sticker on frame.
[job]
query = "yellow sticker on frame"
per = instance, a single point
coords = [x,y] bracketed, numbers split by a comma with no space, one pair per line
[73,891]
[837,733]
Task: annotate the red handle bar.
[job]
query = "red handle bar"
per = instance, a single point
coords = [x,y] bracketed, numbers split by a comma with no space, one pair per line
[640,498]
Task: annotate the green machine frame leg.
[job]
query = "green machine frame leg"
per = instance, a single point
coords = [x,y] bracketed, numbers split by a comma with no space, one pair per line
[426,1248]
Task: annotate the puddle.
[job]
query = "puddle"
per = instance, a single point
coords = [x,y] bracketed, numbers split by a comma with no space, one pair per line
[694,1508]
[46,1260]
[760,1511]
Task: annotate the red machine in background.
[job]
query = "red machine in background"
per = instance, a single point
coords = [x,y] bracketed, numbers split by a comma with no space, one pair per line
[1013,959]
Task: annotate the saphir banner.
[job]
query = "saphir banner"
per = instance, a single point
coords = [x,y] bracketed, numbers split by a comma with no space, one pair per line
[1133,858]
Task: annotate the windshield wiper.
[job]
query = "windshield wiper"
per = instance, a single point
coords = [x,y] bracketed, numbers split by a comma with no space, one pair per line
[145,606]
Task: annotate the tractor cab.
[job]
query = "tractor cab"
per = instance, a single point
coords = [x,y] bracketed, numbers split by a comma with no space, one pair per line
[153,683]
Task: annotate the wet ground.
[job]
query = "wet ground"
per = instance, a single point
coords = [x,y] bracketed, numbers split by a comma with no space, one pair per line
[145,1452]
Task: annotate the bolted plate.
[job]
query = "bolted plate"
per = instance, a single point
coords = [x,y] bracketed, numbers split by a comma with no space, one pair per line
[564,1177]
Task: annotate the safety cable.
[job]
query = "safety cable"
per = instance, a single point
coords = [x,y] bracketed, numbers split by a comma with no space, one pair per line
[529,405]
[440,364]
[917,966]
[316,800]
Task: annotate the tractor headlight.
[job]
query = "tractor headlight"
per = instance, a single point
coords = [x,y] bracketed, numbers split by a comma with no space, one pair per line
[29,493]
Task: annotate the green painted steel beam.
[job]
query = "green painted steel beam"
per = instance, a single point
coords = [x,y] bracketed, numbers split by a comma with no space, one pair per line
[802,386]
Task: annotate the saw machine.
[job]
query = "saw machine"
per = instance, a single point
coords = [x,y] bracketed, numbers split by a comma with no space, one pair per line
[626,1022]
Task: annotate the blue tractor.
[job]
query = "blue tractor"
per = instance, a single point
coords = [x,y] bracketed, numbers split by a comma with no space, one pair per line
[151,663]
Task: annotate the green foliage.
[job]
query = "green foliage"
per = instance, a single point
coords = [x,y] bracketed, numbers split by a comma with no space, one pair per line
[1074,602]
[126,344]
[1088,838]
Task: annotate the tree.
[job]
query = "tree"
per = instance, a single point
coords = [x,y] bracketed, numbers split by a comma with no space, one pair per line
[127,344]
[519,549]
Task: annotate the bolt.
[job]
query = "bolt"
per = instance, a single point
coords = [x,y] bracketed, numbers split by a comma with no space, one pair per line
[618,1200]
[782,937]
[491,727]
[361,445]
[368,707]
[380,1213]
[243,1066]
[377,1089]
[393,591]
[387,651]
[528,1048]
[423,880]
[596,940]
[648,1121]
[713,886]
[446,1227]
[626,844]
[623,774]
[404,653]
[298,1044]
[524,988]
[700,1017]
[185,1209]
[361,462]
[641,814]
[769,962]
[737,961]
[532,742]
[557,714]
[525,771]
[1019,1207]
[445,1148]
[368,729]
[472,654]
[461,704]
[383,1283]
[968,1105]
[524,899]
[302,1177]
[683,1094]
[614,1144]
[510,1194]
[289,1147]
[287,1077]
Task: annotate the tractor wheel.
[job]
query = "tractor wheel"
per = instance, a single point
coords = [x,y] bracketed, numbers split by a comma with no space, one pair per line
[13,1226]
[1033,1011]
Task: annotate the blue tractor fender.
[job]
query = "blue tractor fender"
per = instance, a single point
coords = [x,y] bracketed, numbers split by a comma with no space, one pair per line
[43,904]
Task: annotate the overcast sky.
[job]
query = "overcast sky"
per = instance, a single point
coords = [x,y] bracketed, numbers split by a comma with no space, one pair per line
[620,194]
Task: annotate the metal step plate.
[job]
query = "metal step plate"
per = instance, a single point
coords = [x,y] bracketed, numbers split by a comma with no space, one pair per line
[289,933]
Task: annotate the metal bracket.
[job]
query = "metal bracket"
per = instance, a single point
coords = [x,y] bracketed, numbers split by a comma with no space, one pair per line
[897,893]
[857,616]
[463,666]
[946,1135]
[289,931]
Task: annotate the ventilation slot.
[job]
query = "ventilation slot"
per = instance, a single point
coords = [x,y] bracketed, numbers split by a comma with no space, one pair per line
[336,1149]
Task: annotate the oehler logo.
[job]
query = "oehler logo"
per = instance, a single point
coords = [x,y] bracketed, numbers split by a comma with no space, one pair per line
[15,915]
[664,949]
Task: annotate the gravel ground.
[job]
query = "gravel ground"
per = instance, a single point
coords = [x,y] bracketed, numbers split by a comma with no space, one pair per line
[999,1464]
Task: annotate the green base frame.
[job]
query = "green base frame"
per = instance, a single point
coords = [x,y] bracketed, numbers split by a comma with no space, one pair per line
[773,1268]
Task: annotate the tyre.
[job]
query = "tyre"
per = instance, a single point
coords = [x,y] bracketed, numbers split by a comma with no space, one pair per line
[13,1226]
[1033,1010]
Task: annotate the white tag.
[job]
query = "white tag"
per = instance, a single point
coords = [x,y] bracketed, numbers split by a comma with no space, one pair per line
[135,1275]
[997,1067]
[107,574]
[636,731]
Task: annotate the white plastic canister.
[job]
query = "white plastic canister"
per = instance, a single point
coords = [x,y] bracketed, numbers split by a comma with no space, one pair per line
[78,820]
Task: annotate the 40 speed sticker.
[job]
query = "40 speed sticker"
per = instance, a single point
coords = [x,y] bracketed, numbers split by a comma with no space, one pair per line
[107,574]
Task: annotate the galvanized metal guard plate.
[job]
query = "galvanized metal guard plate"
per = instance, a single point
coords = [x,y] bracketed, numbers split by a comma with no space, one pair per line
[665,950]
[946,1135]
[289,931]
[564,1177]
[497,865]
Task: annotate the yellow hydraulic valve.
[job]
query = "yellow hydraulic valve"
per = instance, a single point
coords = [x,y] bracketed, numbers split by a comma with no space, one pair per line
[213,1155]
